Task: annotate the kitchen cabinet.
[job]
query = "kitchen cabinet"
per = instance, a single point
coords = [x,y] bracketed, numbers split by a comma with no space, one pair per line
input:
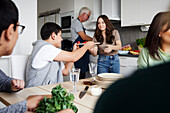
[141,12]
[111,8]
[128,65]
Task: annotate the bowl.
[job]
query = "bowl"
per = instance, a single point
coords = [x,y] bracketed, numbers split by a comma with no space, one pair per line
[123,52]
[95,90]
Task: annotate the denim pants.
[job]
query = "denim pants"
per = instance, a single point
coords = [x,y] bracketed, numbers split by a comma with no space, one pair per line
[108,64]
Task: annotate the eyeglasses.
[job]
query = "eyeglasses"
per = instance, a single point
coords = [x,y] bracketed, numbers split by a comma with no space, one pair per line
[88,15]
[20,28]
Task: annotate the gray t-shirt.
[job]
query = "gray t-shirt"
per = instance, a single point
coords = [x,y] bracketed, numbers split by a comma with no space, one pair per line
[104,45]
[76,27]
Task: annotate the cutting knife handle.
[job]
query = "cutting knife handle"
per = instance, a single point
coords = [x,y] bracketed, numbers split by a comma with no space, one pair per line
[86,88]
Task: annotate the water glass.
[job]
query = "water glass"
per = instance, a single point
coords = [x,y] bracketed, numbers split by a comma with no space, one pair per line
[74,77]
[93,69]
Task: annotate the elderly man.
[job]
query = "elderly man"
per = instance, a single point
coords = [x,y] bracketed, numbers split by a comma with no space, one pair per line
[78,34]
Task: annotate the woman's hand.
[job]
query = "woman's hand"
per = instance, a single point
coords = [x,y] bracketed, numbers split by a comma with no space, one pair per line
[108,49]
[17,84]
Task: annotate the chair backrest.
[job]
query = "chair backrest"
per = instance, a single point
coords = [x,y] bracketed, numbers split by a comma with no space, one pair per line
[18,66]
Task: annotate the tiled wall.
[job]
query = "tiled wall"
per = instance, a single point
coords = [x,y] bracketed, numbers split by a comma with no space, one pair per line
[129,34]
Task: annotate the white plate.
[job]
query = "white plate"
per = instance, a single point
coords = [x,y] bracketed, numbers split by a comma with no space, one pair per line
[103,84]
[109,76]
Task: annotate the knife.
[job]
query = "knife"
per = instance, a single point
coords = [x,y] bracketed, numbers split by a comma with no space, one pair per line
[82,93]
[84,43]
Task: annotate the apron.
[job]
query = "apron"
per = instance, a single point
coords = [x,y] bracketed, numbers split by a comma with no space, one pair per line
[82,63]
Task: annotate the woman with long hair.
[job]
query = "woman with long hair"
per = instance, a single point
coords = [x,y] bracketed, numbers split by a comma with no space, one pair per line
[108,61]
[157,45]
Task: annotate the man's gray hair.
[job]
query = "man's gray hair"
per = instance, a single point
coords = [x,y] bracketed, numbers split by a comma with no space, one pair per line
[84,10]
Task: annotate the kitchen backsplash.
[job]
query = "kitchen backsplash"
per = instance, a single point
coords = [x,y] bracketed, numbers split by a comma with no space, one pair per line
[129,35]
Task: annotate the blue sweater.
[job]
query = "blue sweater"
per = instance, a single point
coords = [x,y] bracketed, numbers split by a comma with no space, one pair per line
[5,85]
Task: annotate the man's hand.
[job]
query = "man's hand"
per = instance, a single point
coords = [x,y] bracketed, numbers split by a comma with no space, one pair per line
[89,44]
[32,102]
[17,84]
[66,111]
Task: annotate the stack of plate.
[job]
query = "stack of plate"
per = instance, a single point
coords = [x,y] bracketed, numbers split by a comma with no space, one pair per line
[106,79]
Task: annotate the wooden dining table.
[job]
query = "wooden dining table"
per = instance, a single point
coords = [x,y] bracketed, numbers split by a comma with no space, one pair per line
[84,105]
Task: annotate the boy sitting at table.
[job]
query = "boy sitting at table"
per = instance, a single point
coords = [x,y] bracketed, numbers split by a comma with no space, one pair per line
[45,65]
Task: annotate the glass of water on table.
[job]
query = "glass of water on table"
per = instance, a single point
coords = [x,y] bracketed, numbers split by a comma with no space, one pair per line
[93,69]
[74,77]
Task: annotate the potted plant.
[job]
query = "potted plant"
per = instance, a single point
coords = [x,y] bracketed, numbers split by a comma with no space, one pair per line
[140,42]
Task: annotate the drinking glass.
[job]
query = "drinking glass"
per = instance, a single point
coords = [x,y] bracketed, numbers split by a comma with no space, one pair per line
[74,77]
[93,69]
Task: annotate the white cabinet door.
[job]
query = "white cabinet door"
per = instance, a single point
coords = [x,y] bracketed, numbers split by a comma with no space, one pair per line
[111,8]
[129,12]
[95,7]
[163,5]
[147,9]
[127,65]
[141,12]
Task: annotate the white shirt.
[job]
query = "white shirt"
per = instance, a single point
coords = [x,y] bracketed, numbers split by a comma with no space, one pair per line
[46,54]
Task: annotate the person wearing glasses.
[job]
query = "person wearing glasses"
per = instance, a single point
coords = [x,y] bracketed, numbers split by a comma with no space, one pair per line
[78,34]
[9,31]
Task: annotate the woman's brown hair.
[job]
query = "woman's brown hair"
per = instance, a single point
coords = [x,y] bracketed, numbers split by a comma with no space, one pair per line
[152,38]
[109,30]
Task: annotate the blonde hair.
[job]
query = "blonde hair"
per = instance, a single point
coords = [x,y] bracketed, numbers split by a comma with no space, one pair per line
[84,10]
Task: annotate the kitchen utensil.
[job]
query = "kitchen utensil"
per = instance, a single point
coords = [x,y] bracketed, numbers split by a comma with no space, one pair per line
[82,93]
[88,83]
[84,43]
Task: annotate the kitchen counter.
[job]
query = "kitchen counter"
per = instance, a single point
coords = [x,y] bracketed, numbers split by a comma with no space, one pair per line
[128,55]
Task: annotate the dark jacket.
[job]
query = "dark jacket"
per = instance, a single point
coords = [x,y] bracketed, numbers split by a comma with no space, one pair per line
[146,91]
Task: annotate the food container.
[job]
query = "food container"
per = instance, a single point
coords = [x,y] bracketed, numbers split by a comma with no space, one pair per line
[96,90]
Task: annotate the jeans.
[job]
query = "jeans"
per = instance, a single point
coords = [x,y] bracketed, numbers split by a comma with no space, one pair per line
[108,64]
